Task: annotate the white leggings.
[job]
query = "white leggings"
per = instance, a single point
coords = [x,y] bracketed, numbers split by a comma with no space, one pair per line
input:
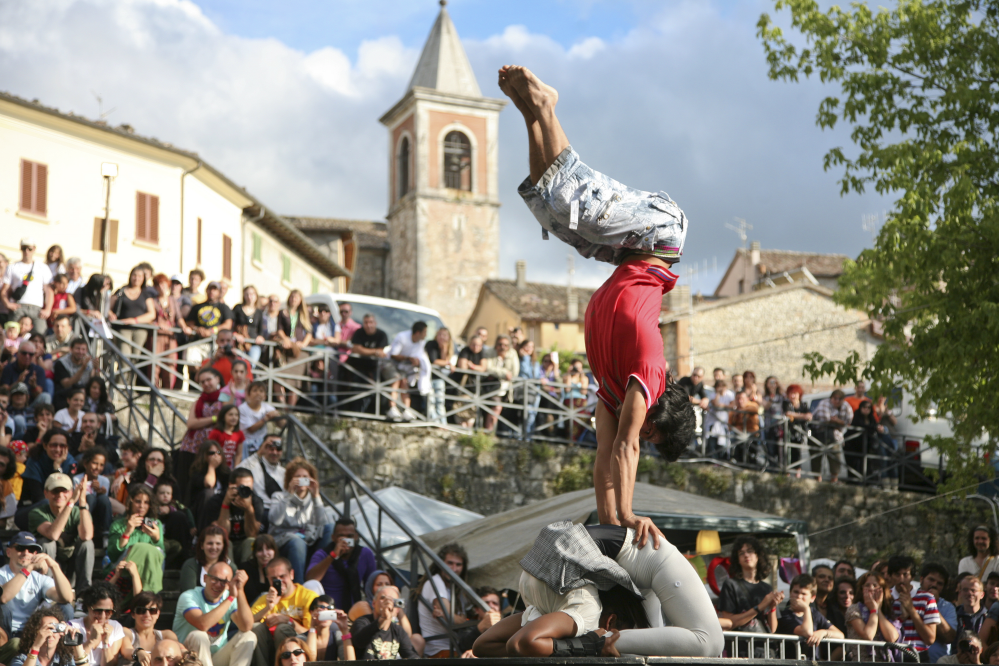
[696,631]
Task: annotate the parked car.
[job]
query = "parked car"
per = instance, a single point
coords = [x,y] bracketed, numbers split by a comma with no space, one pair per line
[392,316]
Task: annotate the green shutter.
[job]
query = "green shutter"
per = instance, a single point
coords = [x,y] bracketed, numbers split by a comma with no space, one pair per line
[286,268]
[258,247]
[315,284]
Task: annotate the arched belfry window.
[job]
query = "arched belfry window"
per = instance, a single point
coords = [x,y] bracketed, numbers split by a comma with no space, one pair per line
[402,172]
[457,161]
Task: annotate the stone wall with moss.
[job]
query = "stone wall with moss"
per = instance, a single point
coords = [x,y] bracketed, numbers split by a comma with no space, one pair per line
[488,475]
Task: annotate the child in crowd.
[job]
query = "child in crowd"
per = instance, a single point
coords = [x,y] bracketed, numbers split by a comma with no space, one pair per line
[802,618]
[70,416]
[12,336]
[254,414]
[93,468]
[62,302]
[235,390]
[168,505]
[228,436]
[24,416]
[20,450]
[27,324]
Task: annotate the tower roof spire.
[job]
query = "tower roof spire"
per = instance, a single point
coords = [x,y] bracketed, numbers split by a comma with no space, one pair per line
[443,65]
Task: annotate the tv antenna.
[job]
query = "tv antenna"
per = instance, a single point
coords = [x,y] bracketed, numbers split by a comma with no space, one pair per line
[742,229]
[871,223]
[101,113]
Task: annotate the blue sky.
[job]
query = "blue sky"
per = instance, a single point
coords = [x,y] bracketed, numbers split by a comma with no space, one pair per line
[284,98]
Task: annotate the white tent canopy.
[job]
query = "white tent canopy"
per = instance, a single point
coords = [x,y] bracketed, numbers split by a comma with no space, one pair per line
[497,543]
[420,514]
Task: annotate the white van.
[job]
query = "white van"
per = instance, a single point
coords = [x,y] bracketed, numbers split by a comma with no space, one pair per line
[392,316]
[909,433]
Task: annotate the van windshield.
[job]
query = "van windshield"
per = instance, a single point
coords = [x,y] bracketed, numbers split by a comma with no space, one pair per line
[392,320]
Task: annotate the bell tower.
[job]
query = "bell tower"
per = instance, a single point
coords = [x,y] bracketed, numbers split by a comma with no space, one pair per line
[443,218]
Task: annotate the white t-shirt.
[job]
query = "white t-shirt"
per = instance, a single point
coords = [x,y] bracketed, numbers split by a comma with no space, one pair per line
[430,625]
[248,417]
[28,598]
[35,293]
[97,655]
[718,415]
[68,423]
[74,285]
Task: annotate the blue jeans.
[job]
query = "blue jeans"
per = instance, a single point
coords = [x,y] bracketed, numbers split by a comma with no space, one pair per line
[435,402]
[601,217]
[254,353]
[297,550]
[100,509]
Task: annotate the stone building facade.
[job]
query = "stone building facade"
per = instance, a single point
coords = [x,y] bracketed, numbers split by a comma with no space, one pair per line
[767,331]
[443,219]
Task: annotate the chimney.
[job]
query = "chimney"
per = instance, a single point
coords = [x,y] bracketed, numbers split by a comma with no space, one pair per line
[754,253]
[521,274]
[572,305]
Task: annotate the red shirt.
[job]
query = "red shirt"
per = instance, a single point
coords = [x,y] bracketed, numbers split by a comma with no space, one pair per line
[228,441]
[622,332]
[224,366]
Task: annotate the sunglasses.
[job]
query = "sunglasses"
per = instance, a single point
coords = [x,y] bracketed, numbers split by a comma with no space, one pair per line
[298,653]
[29,549]
[214,453]
[102,611]
[152,610]
[223,581]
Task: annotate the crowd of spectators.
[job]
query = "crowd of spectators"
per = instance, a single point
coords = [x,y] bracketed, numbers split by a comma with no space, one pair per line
[945,618]
[775,428]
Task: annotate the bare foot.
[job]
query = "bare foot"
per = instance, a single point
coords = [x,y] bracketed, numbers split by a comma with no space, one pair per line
[540,98]
[511,92]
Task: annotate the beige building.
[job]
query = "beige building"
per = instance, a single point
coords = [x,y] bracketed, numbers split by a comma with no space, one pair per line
[756,268]
[443,217]
[549,314]
[767,331]
[364,244]
[167,206]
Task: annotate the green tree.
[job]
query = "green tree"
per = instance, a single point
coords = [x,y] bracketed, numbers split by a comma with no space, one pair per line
[919,89]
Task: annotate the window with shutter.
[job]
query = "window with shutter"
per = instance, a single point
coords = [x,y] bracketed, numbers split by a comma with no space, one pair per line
[258,247]
[34,187]
[198,237]
[98,244]
[457,161]
[285,268]
[147,217]
[226,257]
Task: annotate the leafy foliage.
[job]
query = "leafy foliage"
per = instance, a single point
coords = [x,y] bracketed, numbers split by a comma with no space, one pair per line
[919,88]
[480,441]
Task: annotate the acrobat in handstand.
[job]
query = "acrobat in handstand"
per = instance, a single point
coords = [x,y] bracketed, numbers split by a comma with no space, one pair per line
[642,233]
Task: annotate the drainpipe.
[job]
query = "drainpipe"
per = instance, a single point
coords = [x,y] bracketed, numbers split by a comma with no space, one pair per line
[182,175]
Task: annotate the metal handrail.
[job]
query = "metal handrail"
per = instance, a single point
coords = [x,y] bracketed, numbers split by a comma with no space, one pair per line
[421,554]
[778,643]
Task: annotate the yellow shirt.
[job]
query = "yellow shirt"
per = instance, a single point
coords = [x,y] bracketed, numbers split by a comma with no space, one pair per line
[296,606]
[17,482]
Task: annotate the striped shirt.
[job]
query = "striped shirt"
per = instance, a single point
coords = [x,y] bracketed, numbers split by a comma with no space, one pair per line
[924,604]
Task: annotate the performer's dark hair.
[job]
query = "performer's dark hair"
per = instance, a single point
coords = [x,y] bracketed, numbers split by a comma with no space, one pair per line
[673,418]
[628,608]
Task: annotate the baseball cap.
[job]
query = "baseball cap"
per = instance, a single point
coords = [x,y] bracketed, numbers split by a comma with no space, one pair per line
[25,539]
[213,285]
[177,277]
[28,241]
[19,387]
[12,324]
[57,481]
[992,574]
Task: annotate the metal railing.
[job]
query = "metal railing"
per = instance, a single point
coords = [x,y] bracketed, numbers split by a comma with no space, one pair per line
[814,450]
[788,646]
[329,381]
[148,411]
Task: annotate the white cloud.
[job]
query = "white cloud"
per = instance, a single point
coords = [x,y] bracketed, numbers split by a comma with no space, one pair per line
[680,103]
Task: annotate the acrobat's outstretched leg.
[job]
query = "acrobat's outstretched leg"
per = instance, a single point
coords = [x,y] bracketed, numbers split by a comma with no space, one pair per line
[536,101]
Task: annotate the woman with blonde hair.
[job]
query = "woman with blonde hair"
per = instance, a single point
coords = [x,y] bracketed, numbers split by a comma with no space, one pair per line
[298,520]
[294,334]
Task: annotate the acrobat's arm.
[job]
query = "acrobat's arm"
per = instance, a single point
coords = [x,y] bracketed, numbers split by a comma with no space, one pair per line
[624,463]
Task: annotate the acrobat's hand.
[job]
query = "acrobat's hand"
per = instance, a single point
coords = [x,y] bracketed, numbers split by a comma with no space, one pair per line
[644,528]
[609,650]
